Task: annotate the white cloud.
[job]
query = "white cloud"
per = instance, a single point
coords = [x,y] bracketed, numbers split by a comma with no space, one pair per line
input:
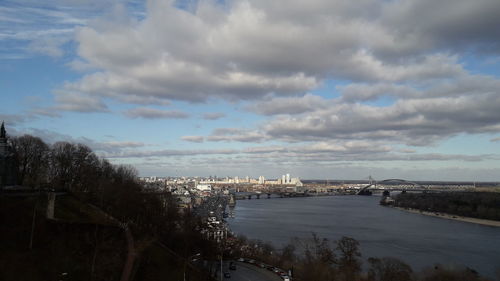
[250,49]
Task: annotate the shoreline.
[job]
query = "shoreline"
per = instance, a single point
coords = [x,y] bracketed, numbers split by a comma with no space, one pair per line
[451,217]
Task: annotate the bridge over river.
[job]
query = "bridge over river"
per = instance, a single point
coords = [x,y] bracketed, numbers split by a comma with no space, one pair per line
[268,195]
[404,185]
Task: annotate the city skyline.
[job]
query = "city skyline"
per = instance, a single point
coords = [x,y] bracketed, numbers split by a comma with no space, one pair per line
[327,90]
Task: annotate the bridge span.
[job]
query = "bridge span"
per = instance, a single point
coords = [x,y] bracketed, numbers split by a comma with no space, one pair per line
[400,185]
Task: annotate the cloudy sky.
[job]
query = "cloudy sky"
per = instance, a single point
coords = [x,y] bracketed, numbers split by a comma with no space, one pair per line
[318,88]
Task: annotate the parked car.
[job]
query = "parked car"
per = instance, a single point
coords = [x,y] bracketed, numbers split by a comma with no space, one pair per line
[241,259]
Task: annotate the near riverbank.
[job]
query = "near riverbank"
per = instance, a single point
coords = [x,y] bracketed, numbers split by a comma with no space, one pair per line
[452,217]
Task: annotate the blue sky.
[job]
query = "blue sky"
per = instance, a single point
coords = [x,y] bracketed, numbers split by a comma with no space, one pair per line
[320,89]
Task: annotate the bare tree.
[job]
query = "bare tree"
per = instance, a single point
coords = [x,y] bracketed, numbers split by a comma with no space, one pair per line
[388,269]
[31,153]
[349,261]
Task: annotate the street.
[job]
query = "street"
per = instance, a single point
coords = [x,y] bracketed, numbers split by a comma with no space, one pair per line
[248,272]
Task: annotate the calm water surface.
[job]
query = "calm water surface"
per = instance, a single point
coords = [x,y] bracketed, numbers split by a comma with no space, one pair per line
[416,239]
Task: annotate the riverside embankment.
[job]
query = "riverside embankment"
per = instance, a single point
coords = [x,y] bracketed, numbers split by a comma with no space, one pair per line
[451,217]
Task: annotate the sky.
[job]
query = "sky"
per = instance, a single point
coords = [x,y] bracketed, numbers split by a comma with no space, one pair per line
[320,89]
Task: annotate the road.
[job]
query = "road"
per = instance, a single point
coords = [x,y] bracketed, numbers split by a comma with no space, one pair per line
[248,272]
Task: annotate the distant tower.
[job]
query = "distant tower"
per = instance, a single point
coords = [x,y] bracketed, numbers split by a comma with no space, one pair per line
[370,179]
[262,180]
[8,171]
[287,178]
[3,133]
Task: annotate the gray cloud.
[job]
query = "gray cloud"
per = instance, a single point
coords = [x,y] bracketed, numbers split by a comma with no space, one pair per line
[152,113]
[51,137]
[231,166]
[235,134]
[495,139]
[170,153]
[66,101]
[418,117]
[213,115]
[464,85]
[289,105]
[449,24]
[13,119]
[198,139]
[301,154]
[118,145]
[74,102]
[371,92]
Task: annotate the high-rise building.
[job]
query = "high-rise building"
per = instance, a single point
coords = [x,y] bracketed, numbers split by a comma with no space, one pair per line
[287,178]
[262,180]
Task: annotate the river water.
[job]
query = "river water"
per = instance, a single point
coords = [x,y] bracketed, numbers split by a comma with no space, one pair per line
[416,239]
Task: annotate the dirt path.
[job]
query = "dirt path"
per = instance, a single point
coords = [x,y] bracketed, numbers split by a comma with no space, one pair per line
[129,263]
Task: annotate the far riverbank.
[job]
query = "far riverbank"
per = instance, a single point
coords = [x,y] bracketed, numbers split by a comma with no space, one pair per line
[451,217]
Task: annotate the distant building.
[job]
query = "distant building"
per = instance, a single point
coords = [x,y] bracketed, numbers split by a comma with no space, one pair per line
[204,187]
[262,180]
[297,182]
[8,171]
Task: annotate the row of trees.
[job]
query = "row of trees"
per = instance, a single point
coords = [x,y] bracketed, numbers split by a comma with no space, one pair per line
[484,205]
[75,168]
[321,259]
[63,165]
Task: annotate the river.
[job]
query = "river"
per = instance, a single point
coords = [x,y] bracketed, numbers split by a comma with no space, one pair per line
[416,239]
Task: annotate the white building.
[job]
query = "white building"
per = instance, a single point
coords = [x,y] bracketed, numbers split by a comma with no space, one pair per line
[204,187]
[262,180]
